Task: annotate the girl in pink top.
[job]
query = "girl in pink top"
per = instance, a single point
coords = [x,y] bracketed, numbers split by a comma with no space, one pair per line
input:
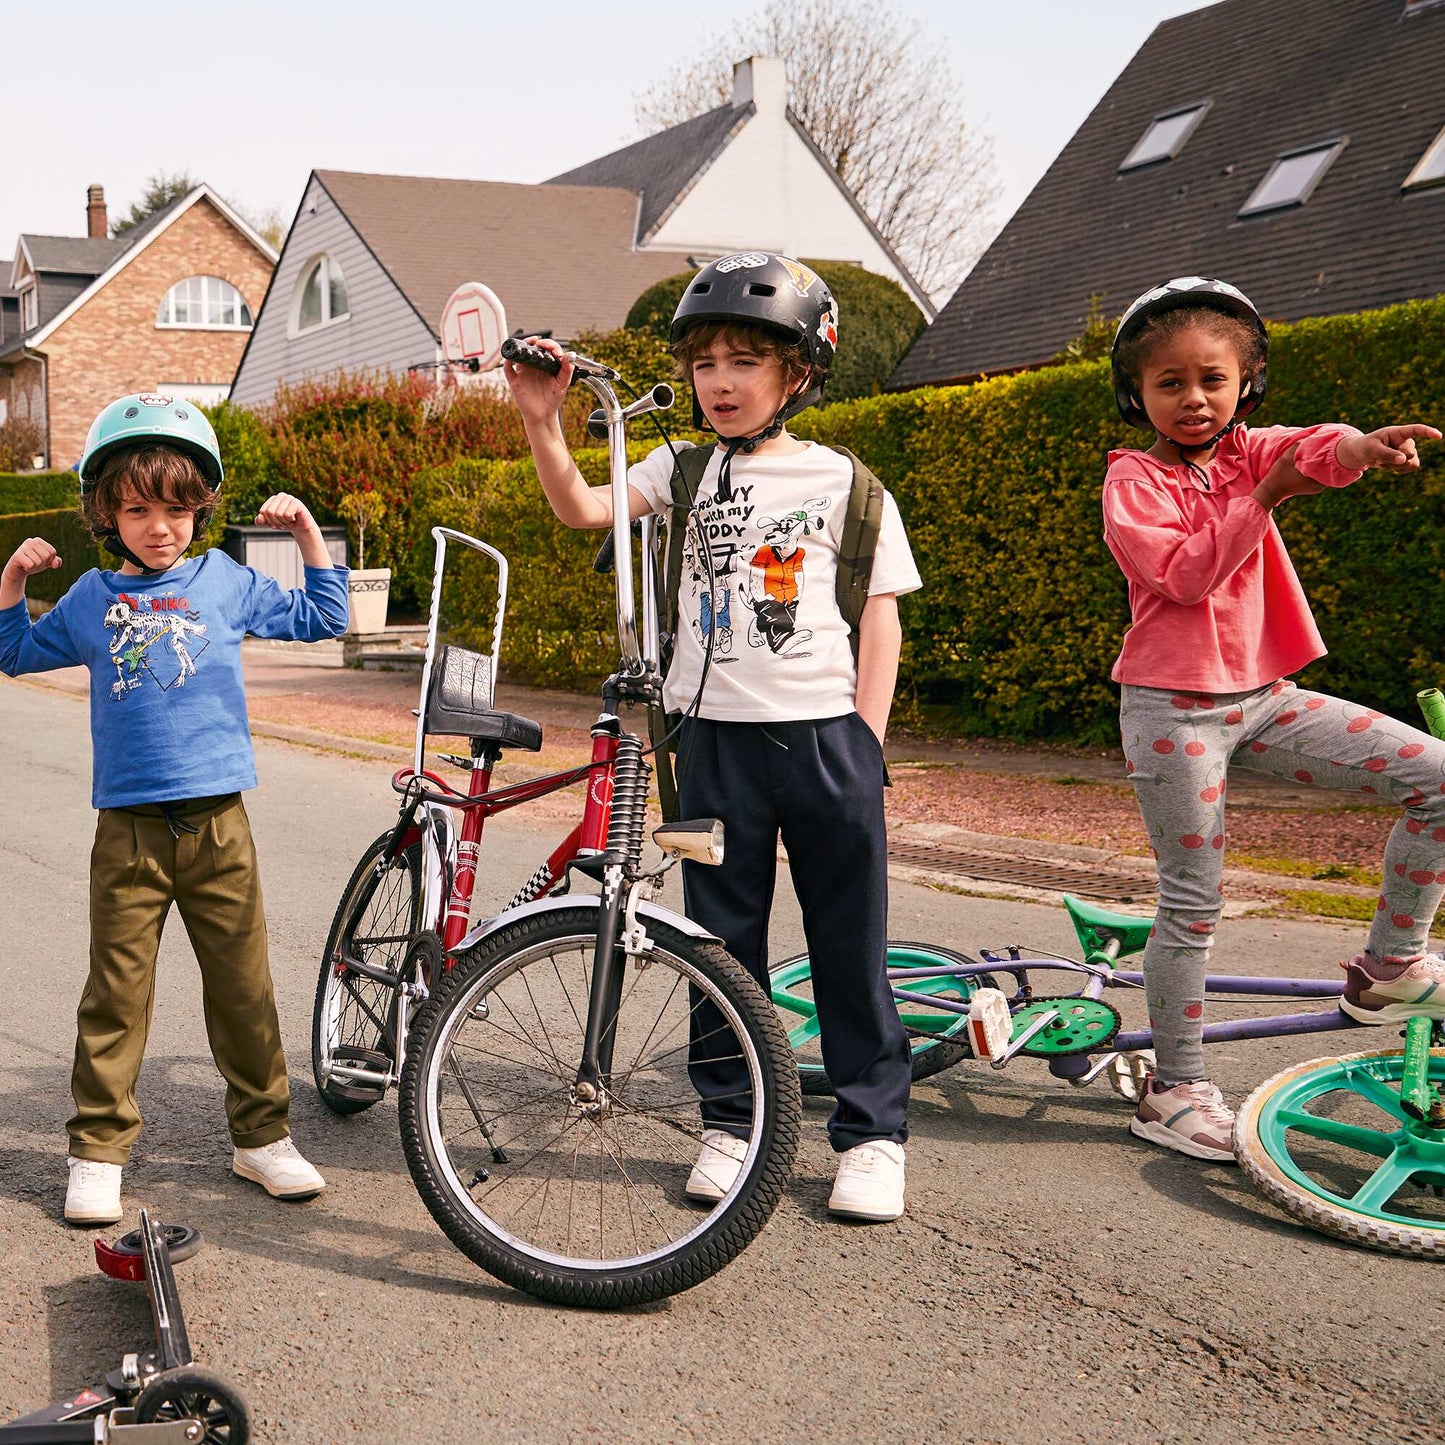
[1219,622]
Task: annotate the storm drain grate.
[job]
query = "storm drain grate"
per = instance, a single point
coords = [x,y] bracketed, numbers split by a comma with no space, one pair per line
[1026,872]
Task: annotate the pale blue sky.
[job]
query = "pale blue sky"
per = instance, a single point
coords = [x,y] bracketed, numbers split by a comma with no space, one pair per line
[252,97]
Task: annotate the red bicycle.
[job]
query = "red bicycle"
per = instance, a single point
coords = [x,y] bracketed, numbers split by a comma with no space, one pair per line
[547,1113]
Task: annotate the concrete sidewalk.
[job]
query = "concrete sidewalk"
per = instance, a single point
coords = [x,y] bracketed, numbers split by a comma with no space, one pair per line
[303,694]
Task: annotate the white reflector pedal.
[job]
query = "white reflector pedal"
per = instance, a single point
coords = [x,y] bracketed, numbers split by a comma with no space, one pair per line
[989,1025]
[700,840]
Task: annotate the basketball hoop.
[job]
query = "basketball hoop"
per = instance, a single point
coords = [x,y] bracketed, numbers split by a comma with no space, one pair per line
[474,325]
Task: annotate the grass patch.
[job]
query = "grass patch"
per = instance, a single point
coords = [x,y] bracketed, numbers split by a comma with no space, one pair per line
[1327,905]
[1308,868]
[1070,781]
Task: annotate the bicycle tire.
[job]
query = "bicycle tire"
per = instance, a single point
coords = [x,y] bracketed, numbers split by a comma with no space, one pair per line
[938,1038]
[503,1034]
[354,1017]
[1304,1178]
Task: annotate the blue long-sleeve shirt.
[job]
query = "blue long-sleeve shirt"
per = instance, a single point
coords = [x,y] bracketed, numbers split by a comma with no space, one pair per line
[167,700]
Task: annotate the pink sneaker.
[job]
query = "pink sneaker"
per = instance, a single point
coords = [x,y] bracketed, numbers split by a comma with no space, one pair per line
[1380,992]
[1191,1118]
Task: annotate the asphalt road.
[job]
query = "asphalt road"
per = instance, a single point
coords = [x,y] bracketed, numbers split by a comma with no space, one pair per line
[1053,1280]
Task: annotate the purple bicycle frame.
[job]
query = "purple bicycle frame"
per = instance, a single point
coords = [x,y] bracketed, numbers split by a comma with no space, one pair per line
[1132,1040]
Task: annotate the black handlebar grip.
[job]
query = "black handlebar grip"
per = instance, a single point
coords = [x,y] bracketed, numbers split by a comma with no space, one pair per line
[603,561]
[534,356]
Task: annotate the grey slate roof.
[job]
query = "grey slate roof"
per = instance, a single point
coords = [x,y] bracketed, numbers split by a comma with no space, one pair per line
[1281,75]
[664,167]
[76,255]
[431,234]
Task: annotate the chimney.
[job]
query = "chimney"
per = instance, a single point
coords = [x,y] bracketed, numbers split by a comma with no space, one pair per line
[97,223]
[763,80]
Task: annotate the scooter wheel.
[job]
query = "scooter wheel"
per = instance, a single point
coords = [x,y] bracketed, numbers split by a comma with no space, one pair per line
[190,1393]
[180,1240]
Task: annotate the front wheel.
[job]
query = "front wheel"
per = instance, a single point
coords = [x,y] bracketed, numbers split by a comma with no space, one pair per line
[1329,1142]
[354,1017]
[585,1203]
[933,1013]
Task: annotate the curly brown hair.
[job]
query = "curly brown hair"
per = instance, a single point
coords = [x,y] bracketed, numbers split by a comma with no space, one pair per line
[155,473]
[1135,350]
[745,336]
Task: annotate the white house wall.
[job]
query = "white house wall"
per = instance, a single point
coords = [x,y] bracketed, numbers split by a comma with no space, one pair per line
[382,331]
[766,191]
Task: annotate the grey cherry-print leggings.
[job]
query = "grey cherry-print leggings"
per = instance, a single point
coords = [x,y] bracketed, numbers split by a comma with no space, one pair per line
[1178,748]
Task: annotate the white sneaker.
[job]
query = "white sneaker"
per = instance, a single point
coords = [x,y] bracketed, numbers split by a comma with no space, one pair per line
[718,1165]
[94,1193]
[279,1169]
[870,1182]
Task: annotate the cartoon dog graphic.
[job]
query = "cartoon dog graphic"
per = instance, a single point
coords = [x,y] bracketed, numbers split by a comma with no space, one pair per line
[774,584]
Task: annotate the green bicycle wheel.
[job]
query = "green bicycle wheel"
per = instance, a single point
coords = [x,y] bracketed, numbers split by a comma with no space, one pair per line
[938,1034]
[1329,1142]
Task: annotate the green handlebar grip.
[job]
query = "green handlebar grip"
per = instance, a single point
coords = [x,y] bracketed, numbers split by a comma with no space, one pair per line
[1432,704]
[1416,1095]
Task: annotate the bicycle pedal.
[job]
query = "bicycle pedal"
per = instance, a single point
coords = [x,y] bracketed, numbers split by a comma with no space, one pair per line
[990,1026]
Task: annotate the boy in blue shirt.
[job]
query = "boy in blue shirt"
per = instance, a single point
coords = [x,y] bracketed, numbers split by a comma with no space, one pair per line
[787,740]
[172,753]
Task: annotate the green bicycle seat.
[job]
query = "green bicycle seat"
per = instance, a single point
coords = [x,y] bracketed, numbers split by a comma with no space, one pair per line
[1094,926]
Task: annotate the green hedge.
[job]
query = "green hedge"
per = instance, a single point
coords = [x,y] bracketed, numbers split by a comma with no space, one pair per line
[1023,608]
[37,491]
[560,625]
[65,532]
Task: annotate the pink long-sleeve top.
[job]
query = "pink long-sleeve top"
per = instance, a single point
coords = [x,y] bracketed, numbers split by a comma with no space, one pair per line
[1215,602]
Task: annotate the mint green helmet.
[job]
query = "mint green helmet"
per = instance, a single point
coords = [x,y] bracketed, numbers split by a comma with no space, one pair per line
[151,417]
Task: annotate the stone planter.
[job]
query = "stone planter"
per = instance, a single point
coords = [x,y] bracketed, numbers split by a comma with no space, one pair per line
[368,592]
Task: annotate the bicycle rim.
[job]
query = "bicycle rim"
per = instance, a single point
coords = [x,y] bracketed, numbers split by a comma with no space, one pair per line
[587,1207]
[1329,1143]
[354,1018]
[938,1036]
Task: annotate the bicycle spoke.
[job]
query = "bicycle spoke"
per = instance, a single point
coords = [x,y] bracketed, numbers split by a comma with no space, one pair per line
[1336,1131]
[1367,1086]
[1383,1184]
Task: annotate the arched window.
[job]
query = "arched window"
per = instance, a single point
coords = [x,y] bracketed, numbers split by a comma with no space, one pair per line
[204,303]
[320,294]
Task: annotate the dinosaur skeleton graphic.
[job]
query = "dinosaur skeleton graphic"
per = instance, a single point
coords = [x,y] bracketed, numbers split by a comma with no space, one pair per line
[135,633]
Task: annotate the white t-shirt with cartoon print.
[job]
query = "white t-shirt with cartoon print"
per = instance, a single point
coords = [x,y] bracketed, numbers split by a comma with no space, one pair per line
[780,646]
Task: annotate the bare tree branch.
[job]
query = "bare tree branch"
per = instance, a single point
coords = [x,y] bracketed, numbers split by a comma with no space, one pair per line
[883,109]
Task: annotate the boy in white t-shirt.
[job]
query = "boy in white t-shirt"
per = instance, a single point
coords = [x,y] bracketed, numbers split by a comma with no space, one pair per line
[788,734]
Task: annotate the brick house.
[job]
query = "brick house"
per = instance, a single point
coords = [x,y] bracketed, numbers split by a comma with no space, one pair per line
[165,306]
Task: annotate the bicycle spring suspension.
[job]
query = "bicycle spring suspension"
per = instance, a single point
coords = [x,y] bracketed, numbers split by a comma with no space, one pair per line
[629,805]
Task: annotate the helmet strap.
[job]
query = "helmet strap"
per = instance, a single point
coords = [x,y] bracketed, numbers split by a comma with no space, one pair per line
[112,544]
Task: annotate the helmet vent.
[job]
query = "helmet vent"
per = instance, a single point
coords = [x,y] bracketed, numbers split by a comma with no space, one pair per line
[132,411]
[702,288]
[182,415]
[759,289]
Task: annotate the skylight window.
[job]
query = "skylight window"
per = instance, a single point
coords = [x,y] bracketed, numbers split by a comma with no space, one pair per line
[1431,169]
[1292,178]
[1165,136]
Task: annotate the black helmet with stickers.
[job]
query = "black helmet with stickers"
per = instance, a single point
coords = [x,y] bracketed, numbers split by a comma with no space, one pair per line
[762,288]
[1191,292]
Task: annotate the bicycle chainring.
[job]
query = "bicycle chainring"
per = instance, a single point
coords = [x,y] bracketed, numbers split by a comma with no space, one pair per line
[1084,1026]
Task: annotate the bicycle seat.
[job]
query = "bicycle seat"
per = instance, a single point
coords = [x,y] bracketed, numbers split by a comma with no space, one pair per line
[1091,923]
[459,702]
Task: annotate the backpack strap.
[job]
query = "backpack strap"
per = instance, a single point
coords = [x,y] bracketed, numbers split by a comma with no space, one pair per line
[859,543]
[686,479]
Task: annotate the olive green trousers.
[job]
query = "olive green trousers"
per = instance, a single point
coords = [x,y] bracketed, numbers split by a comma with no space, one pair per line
[203,860]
